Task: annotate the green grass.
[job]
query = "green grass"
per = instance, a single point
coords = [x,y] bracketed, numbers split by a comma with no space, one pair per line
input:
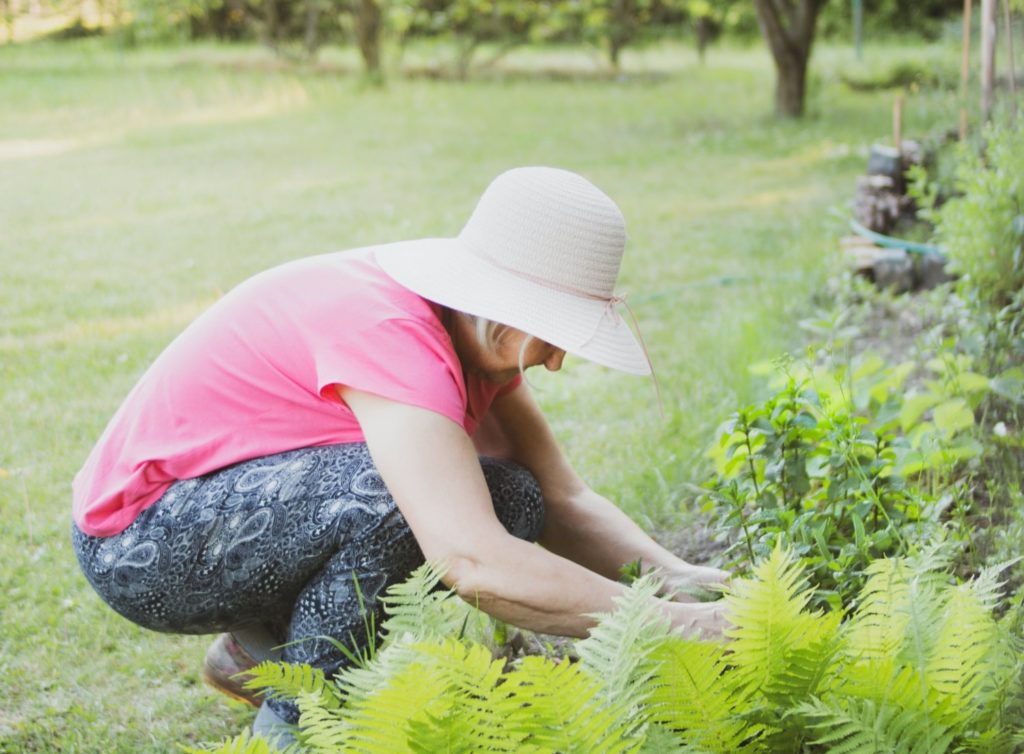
[135,188]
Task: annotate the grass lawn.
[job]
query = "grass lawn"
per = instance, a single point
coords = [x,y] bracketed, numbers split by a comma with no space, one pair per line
[136,188]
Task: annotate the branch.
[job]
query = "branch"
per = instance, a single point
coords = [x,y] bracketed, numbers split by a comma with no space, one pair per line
[776,34]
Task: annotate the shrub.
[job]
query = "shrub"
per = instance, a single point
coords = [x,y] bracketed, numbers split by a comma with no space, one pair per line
[846,465]
[982,230]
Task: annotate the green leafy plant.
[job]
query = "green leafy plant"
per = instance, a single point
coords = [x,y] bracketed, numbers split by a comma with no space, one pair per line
[921,664]
[849,463]
[982,230]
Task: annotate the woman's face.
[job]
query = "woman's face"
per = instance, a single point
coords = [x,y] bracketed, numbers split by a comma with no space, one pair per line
[501,365]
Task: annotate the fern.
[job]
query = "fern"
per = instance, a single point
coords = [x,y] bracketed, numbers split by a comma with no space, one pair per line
[450,733]
[779,649]
[480,702]
[291,681]
[619,648]
[992,741]
[418,609]
[563,708]
[244,743]
[377,723]
[694,695]
[861,725]
[922,667]
[356,684]
[321,723]
[959,661]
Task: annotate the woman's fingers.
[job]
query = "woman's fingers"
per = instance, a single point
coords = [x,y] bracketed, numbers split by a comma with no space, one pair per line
[701,620]
[695,583]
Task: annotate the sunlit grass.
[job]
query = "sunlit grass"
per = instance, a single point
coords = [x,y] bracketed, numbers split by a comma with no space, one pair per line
[135,188]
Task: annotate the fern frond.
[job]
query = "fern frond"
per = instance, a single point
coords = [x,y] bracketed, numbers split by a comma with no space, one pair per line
[660,740]
[619,647]
[693,696]
[417,609]
[244,743]
[991,741]
[449,692]
[1000,699]
[377,722]
[561,707]
[355,683]
[321,724]
[451,734]
[934,559]
[967,637]
[892,598]
[779,649]
[481,704]
[861,725]
[290,681]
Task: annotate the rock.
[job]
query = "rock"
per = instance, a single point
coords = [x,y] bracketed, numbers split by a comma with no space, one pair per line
[893,268]
[886,161]
[878,204]
[931,270]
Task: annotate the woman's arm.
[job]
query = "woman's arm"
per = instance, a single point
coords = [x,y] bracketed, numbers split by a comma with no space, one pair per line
[580,524]
[431,469]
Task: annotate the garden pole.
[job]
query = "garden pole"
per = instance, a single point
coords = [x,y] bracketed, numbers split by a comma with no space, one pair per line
[965,67]
[1009,54]
[988,57]
[897,124]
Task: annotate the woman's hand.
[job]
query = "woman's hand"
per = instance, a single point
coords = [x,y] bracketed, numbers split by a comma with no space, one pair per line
[702,620]
[692,583]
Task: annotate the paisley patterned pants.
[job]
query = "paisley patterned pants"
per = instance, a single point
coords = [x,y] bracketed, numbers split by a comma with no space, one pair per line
[279,541]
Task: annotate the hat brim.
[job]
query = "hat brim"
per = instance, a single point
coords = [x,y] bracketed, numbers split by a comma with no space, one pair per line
[444,271]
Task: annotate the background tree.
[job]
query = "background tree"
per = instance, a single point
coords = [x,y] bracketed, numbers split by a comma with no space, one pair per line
[788,27]
[706,20]
[368,23]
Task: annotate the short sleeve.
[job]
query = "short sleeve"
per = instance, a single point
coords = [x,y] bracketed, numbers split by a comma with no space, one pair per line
[404,360]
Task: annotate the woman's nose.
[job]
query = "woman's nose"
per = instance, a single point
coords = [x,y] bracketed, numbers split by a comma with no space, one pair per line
[554,362]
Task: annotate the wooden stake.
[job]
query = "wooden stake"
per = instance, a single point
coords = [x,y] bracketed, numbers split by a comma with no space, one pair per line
[965,68]
[988,57]
[1009,54]
[897,123]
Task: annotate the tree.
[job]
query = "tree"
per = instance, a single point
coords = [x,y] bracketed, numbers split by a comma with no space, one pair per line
[368,28]
[788,27]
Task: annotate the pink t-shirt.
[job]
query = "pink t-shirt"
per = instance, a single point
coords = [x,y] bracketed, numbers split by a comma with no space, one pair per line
[255,375]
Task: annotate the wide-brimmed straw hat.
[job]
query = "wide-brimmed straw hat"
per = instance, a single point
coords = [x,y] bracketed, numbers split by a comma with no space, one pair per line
[540,253]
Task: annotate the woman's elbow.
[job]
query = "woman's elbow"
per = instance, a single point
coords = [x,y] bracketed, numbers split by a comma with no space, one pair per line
[466,576]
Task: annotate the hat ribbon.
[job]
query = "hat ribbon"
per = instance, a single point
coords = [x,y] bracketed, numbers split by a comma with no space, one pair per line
[610,303]
[609,308]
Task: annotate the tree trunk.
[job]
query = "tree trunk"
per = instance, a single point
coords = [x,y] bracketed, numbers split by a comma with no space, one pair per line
[368,22]
[614,51]
[790,87]
[271,24]
[311,33]
[705,32]
[788,27]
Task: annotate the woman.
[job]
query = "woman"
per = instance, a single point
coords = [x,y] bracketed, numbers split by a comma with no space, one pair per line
[319,427]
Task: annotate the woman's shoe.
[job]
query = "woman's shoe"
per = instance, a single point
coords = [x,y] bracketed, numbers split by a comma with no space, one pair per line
[225,669]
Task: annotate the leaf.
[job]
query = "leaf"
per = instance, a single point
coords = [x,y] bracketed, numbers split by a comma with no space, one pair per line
[561,707]
[618,648]
[953,416]
[914,407]
[972,382]
[862,725]
[1009,385]
[693,694]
